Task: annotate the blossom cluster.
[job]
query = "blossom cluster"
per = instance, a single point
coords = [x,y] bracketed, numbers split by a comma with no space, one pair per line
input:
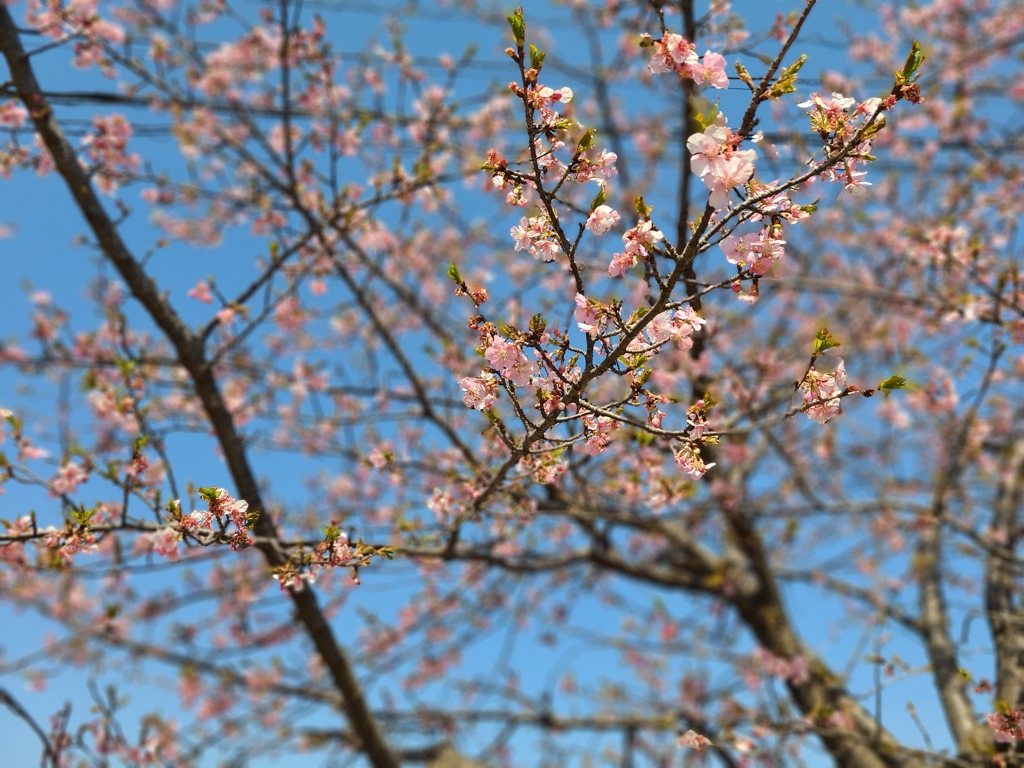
[333,552]
[1008,726]
[673,53]
[545,468]
[688,459]
[591,316]
[508,362]
[755,252]
[599,431]
[545,100]
[204,525]
[508,358]
[694,740]
[59,545]
[79,21]
[106,146]
[480,392]
[719,163]
[594,165]
[719,159]
[821,392]
[794,670]
[638,242]
[839,120]
[671,325]
[67,543]
[537,237]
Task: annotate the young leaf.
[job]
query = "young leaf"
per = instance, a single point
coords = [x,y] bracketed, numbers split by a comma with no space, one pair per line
[824,341]
[518,25]
[786,82]
[891,384]
[536,57]
[453,273]
[914,59]
[744,76]
[586,141]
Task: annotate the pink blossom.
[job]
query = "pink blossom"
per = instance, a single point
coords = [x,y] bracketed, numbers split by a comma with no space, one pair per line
[672,52]
[1008,726]
[710,71]
[793,670]
[67,479]
[720,166]
[599,431]
[546,250]
[507,357]
[12,114]
[500,352]
[601,219]
[821,391]
[694,740]
[834,109]
[587,317]
[165,542]
[521,370]
[224,506]
[535,236]
[106,146]
[730,173]
[289,315]
[479,392]
[757,252]
[688,458]
[636,244]
[547,95]
[201,292]
[601,168]
[677,326]
[620,263]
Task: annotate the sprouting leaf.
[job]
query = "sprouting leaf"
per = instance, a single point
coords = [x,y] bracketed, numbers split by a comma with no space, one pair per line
[914,60]
[586,141]
[744,76]
[891,384]
[453,273]
[83,516]
[518,25]
[824,341]
[536,58]
[709,400]
[786,82]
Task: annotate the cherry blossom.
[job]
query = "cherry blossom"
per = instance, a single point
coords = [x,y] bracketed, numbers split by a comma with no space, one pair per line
[718,164]
[694,740]
[821,392]
[1007,726]
[479,392]
[602,219]
[68,478]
